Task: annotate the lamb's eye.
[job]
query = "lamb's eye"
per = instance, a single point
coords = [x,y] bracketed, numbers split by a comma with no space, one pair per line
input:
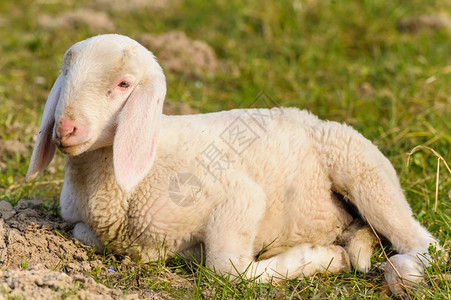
[124,84]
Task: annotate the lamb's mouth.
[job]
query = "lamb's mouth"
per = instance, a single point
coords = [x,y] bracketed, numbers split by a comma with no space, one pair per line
[71,149]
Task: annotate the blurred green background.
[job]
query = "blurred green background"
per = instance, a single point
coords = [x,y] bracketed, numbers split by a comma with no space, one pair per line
[382,66]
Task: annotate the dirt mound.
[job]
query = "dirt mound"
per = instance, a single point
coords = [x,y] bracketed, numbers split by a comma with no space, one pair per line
[30,237]
[425,22]
[132,5]
[34,250]
[96,21]
[10,147]
[175,108]
[47,284]
[178,53]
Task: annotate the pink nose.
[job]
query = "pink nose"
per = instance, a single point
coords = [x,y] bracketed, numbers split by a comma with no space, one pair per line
[65,128]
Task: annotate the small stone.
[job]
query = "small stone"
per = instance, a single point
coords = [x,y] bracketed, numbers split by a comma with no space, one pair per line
[6,210]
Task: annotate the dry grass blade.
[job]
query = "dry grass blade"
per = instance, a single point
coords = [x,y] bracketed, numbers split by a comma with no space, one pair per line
[439,158]
[404,285]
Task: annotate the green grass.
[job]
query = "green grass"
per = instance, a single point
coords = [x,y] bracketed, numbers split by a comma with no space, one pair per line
[342,60]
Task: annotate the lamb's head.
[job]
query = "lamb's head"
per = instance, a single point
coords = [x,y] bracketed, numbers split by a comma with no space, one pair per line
[110,93]
[98,76]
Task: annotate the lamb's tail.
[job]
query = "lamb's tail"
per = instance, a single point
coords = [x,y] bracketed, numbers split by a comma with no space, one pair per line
[361,173]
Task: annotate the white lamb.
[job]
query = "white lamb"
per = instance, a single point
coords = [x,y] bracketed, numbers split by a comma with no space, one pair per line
[263,181]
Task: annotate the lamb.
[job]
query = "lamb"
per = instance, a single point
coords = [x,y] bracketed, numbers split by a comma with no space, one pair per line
[271,188]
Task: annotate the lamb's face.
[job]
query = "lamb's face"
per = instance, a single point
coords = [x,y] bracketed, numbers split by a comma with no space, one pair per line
[98,77]
[110,93]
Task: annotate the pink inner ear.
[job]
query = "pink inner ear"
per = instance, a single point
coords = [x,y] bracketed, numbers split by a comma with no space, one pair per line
[152,148]
[137,167]
[134,141]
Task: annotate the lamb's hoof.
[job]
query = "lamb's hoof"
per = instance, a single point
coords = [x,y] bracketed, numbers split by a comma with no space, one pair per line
[341,262]
[407,274]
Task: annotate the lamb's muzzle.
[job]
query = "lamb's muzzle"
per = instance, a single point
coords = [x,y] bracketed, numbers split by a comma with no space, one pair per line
[66,134]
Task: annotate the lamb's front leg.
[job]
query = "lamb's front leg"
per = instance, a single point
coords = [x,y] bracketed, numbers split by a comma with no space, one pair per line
[71,213]
[231,231]
[84,234]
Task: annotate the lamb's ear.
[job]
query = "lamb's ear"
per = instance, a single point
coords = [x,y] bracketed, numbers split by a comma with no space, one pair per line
[44,150]
[135,139]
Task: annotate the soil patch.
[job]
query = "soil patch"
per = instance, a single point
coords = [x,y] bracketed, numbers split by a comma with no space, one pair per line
[40,260]
[178,53]
[94,20]
[415,24]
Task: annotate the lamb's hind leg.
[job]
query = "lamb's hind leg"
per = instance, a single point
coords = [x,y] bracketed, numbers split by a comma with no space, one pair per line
[361,172]
[360,244]
[231,231]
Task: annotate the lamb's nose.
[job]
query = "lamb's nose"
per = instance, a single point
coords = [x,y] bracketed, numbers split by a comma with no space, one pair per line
[64,129]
